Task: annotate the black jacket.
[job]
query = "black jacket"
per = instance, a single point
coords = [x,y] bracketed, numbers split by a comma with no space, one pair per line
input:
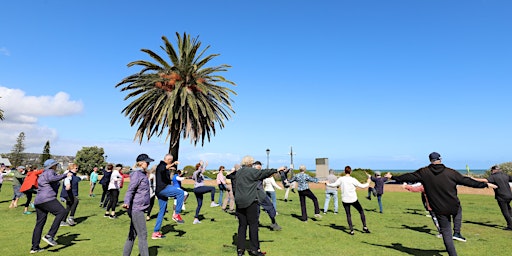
[440,185]
[500,179]
[162,176]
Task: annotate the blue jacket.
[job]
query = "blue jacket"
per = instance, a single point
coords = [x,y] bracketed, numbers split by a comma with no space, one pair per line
[74,187]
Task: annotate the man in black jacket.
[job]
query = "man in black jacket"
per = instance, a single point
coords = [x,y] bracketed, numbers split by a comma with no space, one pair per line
[502,194]
[440,183]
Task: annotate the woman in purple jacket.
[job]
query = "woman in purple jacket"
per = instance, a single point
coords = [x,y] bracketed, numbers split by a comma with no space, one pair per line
[46,202]
[136,200]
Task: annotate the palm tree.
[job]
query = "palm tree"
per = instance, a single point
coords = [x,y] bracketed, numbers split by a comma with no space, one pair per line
[180,97]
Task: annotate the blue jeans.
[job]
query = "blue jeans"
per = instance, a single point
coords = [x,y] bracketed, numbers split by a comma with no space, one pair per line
[163,197]
[221,193]
[272,196]
[328,195]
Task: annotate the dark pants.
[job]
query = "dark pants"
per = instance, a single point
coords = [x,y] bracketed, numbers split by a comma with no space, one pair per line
[71,204]
[42,210]
[446,230]
[248,217]
[506,211]
[137,228]
[199,192]
[359,208]
[114,197]
[150,207]
[302,196]
[268,207]
[28,193]
[105,195]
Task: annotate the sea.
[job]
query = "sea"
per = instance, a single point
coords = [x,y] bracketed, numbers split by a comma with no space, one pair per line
[462,171]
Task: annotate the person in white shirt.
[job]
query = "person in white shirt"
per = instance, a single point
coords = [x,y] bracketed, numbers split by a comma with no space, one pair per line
[349,196]
[113,188]
[269,185]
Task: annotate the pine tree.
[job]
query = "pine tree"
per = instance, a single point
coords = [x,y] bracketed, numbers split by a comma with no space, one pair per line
[16,156]
[46,153]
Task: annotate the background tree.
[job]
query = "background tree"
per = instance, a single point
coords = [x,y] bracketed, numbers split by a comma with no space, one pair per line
[46,153]
[180,97]
[16,157]
[89,157]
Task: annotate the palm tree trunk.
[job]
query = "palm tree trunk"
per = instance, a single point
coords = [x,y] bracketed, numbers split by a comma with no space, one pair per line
[174,145]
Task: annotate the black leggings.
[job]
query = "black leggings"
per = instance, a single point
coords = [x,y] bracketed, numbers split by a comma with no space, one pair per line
[29,197]
[359,208]
[199,192]
[114,197]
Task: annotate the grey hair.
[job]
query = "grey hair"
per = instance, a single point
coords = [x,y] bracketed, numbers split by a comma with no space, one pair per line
[302,168]
[247,161]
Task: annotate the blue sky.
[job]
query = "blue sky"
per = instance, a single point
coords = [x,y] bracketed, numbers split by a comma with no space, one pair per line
[371,84]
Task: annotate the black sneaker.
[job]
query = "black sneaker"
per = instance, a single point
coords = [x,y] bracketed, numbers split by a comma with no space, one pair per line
[113,217]
[36,250]
[106,215]
[366,230]
[369,198]
[49,240]
[459,237]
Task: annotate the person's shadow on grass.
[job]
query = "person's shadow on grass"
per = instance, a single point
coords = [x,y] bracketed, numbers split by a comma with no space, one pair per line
[153,250]
[422,229]
[485,224]
[338,227]
[171,228]
[411,251]
[82,219]
[414,211]
[247,242]
[67,240]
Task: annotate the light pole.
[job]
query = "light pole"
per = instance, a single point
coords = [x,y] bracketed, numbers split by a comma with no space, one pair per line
[291,157]
[268,154]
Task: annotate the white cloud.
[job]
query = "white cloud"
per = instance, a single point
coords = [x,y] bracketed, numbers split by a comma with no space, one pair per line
[21,114]
[4,51]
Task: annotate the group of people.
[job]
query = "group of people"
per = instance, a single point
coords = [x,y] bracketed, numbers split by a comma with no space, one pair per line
[247,186]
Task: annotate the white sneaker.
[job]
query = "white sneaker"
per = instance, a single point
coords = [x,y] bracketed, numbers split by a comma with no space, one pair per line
[183,207]
[213,204]
[196,221]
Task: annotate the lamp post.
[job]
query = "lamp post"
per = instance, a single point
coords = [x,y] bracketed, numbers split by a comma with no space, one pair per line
[268,154]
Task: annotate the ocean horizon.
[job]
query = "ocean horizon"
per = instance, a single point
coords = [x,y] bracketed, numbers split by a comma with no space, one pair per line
[462,171]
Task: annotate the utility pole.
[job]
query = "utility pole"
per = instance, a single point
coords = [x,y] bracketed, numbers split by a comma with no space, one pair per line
[291,157]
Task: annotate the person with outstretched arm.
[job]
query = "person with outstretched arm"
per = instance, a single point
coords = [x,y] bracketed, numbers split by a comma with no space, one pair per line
[440,184]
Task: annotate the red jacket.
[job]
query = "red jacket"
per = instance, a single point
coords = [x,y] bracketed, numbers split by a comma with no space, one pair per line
[30,180]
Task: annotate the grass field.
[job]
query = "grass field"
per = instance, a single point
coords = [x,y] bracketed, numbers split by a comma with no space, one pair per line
[403,229]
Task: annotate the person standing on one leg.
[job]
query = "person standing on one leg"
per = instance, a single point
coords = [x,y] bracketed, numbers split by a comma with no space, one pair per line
[200,189]
[440,183]
[46,202]
[349,197]
[503,194]
[164,190]
[378,190]
[303,180]
[264,200]
[136,201]
[331,192]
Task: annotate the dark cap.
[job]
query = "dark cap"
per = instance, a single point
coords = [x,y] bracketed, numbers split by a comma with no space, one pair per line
[257,163]
[144,158]
[495,167]
[434,156]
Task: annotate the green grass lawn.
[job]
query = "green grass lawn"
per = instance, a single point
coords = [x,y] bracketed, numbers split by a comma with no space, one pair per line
[403,229]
